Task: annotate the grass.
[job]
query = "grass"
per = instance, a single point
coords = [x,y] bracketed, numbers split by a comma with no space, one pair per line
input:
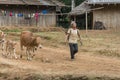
[102,43]
[57,77]
[13,30]
[108,52]
[97,42]
[68,77]
[52,38]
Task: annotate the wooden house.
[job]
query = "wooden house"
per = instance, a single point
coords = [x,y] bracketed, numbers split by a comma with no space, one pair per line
[105,11]
[29,12]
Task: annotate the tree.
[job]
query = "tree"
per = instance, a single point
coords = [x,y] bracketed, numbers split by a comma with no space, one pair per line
[68,3]
[63,19]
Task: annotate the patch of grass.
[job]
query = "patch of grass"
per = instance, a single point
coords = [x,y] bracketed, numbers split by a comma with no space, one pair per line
[16,78]
[34,77]
[84,50]
[4,76]
[52,37]
[12,30]
[107,52]
[46,37]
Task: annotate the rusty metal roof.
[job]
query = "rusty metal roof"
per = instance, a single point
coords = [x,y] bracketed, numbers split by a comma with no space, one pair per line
[32,2]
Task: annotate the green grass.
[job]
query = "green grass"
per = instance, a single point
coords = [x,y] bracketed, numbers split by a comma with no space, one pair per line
[108,52]
[12,30]
[53,38]
[97,42]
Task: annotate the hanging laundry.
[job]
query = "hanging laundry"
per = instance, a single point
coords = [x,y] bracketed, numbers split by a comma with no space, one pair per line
[27,16]
[33,15]
[10,14]
[5,13]
[44,11]
[2,12]
[20,15]
[16,15]
[36,15]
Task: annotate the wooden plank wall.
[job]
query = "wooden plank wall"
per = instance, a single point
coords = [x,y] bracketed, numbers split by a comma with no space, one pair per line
[43,20]
[110,16]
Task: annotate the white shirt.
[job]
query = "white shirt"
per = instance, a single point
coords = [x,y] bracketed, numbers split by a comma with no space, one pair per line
[73,35]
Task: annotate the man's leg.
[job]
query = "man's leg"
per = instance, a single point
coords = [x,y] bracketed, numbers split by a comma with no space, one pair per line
[71,50]
[75,48]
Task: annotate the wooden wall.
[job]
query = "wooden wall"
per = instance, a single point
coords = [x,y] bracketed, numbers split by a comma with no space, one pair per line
[27,11]
[109,15]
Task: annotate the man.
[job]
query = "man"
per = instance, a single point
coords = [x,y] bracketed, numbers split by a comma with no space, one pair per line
[73,36]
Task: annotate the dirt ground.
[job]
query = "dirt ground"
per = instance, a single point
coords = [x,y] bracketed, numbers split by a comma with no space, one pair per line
[98,58]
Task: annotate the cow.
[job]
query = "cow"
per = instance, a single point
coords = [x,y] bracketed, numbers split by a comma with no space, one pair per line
[30,42]
[11,48]
[2,40]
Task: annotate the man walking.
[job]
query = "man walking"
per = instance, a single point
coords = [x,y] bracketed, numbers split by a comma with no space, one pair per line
[73,36]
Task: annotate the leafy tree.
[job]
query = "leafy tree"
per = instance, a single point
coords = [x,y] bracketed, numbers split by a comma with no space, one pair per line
[64,20]
[68,3]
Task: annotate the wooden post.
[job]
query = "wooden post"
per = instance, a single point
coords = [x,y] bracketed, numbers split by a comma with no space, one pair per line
[74,18]
[86,23]
[73,5]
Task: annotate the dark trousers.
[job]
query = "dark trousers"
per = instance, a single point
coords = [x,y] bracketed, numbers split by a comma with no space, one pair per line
[73,49]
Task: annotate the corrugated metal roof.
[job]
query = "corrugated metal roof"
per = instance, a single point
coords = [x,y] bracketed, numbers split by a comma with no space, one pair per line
[32,2]
[103,1]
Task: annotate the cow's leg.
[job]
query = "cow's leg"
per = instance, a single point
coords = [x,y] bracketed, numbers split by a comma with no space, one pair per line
[21,45]
[7,50]
[28,54]
[3,44]
[14,52]
[40,46]
[32,49]
[10,54]
[32,52]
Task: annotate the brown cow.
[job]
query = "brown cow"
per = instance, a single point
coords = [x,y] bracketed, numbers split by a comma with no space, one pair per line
[27,40]
[11,48]
[2,39]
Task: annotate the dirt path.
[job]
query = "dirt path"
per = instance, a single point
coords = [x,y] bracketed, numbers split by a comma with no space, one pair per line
[56,61]
[98,57]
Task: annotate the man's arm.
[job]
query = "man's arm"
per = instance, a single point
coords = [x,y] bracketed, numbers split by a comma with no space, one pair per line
[79,37]
[67,36]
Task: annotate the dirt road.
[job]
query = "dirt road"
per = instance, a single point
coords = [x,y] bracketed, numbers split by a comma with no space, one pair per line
[51,61]
[98,57]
